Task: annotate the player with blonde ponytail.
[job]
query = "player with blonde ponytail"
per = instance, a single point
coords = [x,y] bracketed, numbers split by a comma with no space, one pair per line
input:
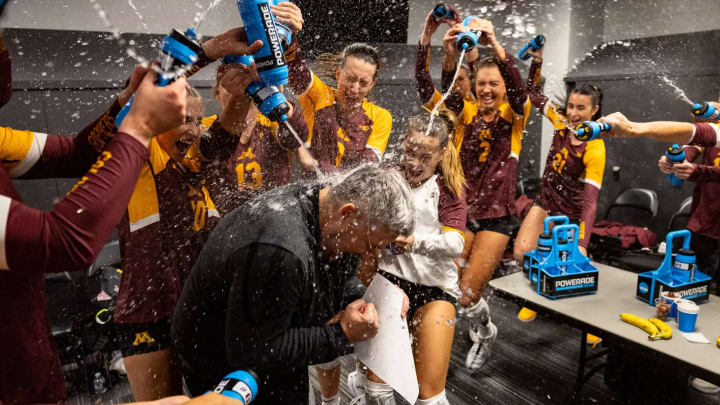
[422,264]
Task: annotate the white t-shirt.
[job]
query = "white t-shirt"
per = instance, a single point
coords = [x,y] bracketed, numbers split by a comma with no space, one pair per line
[440,218]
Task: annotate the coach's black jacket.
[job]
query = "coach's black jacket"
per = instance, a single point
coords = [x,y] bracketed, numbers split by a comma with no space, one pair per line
[260,294]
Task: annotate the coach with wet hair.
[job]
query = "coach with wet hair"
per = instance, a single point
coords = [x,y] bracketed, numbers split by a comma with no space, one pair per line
[274,272]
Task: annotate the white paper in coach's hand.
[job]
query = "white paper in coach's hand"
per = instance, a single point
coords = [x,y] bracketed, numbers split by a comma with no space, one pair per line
[389,354]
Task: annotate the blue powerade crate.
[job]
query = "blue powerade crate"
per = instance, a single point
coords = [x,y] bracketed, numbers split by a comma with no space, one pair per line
[678,273]
[539,256]
[562,271]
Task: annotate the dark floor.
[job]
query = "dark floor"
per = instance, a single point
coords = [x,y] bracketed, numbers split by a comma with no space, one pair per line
[531,363]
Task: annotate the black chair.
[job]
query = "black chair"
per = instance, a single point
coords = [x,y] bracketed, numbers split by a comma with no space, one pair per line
[633,206]
[681,217]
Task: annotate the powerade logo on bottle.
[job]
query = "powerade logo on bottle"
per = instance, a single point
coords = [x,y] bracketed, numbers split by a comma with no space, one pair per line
[277,56]
[643,287]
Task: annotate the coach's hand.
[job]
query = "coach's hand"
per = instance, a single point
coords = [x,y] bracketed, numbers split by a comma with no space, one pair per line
[360,321]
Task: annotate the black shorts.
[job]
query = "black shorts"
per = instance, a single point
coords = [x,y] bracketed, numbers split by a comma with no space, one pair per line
[418,294]
[142,338]
[505,225]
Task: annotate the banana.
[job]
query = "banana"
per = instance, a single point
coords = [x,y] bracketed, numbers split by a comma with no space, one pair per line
[665,331]
[641,323]
[718,341]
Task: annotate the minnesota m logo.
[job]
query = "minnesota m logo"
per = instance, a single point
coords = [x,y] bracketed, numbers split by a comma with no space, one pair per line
[142,337]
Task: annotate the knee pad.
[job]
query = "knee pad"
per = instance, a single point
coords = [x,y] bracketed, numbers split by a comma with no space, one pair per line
[378,394]
[329,365]
[438,399]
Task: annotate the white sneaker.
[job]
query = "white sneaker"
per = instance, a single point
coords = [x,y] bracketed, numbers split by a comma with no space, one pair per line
[117,363]
[704,386]
[356,387]
[484,338]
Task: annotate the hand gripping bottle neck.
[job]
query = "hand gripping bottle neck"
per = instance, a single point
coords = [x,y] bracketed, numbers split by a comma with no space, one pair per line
[536,43]
[259,23]
[241,385]
[179,51]
[467,40]
[442,11]
[589,130]
[283,29]
[675,154]
[706,111]
[268,99]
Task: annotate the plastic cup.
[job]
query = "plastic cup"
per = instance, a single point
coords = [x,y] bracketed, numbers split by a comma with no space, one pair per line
[687,315]
[672,301]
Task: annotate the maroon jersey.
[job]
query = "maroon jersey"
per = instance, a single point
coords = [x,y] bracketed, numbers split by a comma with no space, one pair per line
[169,217]
[66,239]
[705,209]
[259,165]
[573,174]
[337,140]
[489,150]
[706,134]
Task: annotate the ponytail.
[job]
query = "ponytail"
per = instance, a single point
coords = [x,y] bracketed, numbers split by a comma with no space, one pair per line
[452,170]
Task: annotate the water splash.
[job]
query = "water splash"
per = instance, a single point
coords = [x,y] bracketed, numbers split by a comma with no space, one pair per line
[447,93]
[302,145]
[678,91]
[140,17]
[130,50]
[200,17]
[562,118]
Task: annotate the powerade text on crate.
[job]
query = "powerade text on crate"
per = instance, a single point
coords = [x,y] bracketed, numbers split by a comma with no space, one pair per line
[563,271]
[678,273]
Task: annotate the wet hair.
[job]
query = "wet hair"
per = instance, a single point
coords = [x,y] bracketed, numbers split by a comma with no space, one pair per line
[443,128]
[383,195]
[596,97]
[481,64]
[363,52]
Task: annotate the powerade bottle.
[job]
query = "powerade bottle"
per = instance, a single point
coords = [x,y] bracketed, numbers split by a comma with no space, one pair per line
[259,23]
[179,50]
[675,154]
[268,99]
[544,246]
[466,41]
[241,385]
[283,29]
[442,11]
[589,130]
[536,43]
[684,264]
[706,111]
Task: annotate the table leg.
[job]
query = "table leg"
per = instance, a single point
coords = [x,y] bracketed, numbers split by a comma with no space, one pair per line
[581,378]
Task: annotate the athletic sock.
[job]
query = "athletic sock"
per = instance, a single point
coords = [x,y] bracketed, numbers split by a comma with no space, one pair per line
[438,399]
[378,394]
[333,400]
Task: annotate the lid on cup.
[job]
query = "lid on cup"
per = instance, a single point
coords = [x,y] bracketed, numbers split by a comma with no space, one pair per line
[688,307]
